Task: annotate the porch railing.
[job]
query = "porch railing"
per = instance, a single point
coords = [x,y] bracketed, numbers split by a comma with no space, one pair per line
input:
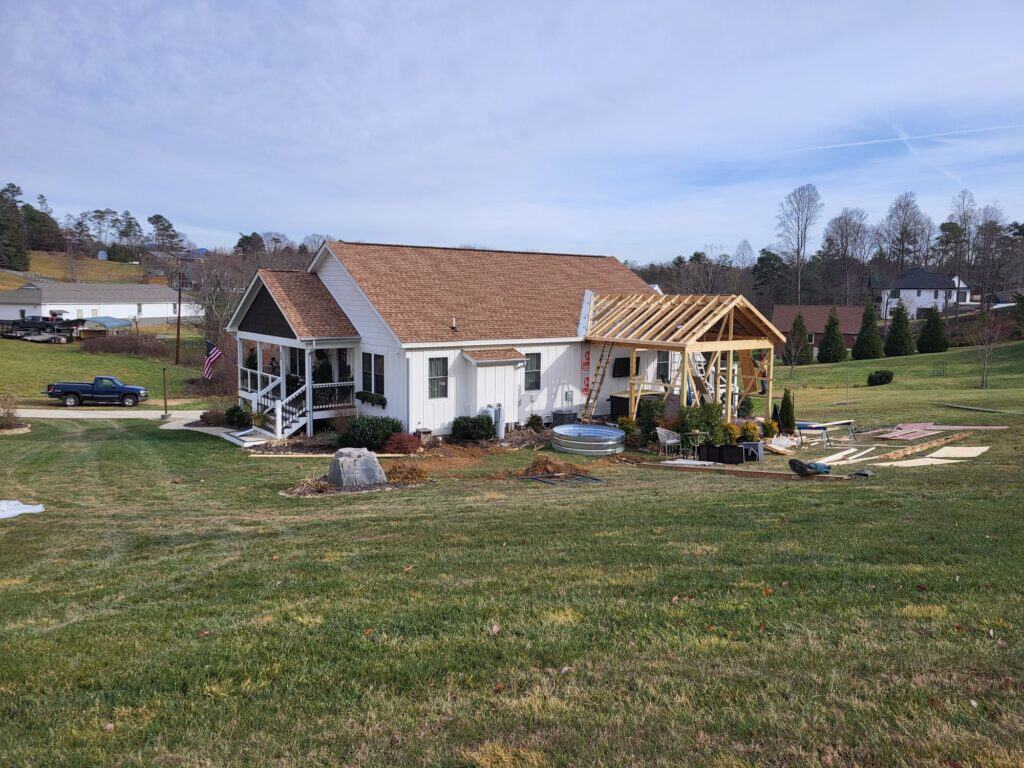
[337,394]
[255,381]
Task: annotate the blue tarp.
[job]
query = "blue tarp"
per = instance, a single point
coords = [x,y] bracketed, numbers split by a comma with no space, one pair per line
[108,322]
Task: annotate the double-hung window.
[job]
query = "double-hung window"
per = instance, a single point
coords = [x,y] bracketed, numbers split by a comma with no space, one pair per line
[437,377]
[663,366]
[373,373]
[532,378]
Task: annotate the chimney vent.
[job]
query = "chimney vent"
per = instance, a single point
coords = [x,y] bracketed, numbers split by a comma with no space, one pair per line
[454,326]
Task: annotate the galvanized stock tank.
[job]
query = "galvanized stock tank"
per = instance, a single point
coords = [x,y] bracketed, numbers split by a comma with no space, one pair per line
[588,439]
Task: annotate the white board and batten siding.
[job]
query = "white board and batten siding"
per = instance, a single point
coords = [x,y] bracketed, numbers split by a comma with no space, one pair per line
[79,310]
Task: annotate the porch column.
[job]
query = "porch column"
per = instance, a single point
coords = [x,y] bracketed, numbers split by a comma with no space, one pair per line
[238,362]
[309,392]
[280,369]
[259,365]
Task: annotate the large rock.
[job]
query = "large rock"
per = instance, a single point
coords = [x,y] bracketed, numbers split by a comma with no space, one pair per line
[354,468]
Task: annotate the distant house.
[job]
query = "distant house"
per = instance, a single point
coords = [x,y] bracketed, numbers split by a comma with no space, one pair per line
[919,290]
[815,317]
[127,301]
[163,267]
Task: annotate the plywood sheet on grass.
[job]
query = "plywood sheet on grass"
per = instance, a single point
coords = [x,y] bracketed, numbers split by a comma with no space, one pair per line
[959,452]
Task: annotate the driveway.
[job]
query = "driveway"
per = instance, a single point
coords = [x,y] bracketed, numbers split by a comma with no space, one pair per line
[111,412]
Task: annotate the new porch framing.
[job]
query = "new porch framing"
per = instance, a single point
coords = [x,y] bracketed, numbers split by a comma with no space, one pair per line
[689,324]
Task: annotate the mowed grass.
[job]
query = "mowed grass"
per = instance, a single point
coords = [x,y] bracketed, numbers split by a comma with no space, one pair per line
[171,608]
[59,266]
[8,281]
[27,368]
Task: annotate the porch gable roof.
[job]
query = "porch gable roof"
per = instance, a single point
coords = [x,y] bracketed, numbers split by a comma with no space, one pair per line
[304,301]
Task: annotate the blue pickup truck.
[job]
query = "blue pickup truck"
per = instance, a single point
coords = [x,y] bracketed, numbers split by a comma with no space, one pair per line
[104,389]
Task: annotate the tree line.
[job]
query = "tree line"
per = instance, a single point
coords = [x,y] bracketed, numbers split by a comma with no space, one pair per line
[855,258]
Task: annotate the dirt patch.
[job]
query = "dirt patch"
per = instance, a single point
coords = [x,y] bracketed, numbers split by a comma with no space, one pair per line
[549,465]
[22,430]
[314,446]
[527,438]
[445,457]
[318,486]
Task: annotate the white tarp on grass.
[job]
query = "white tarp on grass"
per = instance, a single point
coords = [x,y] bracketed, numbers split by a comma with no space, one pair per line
[13,508]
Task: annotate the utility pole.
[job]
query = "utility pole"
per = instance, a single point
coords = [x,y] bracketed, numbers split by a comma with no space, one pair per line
[177,333]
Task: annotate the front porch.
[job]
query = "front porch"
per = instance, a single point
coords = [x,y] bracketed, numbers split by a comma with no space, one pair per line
[288,383]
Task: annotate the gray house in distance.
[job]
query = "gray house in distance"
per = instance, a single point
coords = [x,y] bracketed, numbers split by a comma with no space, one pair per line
[127,301]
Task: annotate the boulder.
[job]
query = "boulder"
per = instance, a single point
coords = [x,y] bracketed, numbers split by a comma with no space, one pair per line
[355,468]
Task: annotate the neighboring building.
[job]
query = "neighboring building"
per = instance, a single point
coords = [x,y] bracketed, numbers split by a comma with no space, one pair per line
[430,334]
[127,301]
[920,289]
[815,317]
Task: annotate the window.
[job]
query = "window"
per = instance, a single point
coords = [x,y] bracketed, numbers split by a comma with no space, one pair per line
[138,310]
[620,367]
[810,338]
[174,309]
[961,295]
[918,291]
[894,293]
[532,377]
[437,377]
[95,313]
[21,312]
[373,373]
[663,367]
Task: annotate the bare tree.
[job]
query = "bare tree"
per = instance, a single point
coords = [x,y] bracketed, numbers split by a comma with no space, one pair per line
[743,257]
[988,333]
[905,232]
[798,213]
[313,241]
[963,212]
[850,236]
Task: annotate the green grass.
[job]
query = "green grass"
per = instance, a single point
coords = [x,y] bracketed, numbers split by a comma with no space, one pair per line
[168,590]
[28,368]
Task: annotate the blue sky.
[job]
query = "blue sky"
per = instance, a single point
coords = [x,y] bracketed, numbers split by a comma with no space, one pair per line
[637,129]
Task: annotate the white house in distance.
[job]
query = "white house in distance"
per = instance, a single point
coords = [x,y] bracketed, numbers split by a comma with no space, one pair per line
[920,289]
[427,334]
[127,301]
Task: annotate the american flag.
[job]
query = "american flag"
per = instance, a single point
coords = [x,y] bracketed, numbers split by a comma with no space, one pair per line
[213,354]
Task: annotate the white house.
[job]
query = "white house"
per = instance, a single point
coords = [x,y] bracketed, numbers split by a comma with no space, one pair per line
[428,334]
[128,301]
[920,289]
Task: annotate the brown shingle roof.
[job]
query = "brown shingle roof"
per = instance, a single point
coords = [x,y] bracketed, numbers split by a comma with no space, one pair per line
[816,315]
[494,354]
[307,304]
[491,294]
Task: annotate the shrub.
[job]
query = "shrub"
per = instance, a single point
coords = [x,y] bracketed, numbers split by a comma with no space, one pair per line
[787,413]
[369,432]
[745,408]
[833,347]
[473,428]
[899,342]
[750,432]
[879,377]
[703,418]
[213,418]
[769,428]
[933,336]
[868,345]
[406,473]
[138,344]
[535,422]
[238,417]
[9,412]
[732,433]
[648,416]
[402,442]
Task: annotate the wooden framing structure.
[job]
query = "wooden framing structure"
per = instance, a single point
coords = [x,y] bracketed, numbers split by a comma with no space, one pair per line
[702,328]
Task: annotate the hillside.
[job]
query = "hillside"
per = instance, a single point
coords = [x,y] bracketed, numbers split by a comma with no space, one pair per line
[58,266]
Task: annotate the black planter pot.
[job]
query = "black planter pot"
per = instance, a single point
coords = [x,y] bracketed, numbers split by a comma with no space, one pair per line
[707,452]
[730,454]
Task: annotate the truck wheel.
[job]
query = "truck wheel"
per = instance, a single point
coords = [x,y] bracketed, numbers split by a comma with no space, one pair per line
[49,329]
[70,401]
[129,401]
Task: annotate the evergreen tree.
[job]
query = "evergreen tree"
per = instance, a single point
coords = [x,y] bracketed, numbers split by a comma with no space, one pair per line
[13,253]
[899,342]
[165,237]
[250,244]
[42,232]
[868,345]
[787,413]
[933,336]
[798,349]
[833,347]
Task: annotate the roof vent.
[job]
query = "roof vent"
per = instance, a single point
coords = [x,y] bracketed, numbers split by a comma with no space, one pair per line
[454,325]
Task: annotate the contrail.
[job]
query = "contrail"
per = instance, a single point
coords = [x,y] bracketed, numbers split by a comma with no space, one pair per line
[903,139]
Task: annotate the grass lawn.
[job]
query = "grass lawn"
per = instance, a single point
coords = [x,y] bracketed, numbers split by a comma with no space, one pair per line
[8,281]
[58,266]
[28,368]
[171,608]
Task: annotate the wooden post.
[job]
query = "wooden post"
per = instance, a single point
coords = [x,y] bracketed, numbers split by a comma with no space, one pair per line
[771,381]
[684,366]
[177,332]
[165,392]
[633,398]
[729,377]
[309,393]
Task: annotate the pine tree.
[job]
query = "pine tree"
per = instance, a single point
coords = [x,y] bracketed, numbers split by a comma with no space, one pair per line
[899,342]
[868,345]
[42,232]
[797,350]
[787,413]
[933,334]
[13,253]
[833,347]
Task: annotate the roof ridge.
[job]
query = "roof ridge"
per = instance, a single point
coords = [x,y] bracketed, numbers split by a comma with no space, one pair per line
[470,249]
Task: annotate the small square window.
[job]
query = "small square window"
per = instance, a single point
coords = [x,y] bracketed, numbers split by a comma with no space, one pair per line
[437,378]
[532,377]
